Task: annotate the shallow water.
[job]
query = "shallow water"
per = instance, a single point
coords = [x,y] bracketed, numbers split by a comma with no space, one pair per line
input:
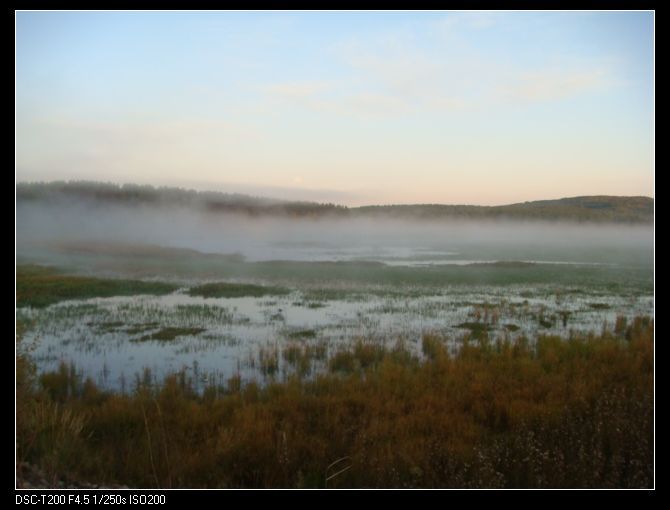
[108,338]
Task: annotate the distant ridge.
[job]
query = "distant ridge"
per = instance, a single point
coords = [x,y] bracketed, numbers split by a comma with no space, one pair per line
[599,208]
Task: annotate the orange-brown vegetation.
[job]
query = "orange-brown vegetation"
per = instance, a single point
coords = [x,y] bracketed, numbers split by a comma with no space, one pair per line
[545,413]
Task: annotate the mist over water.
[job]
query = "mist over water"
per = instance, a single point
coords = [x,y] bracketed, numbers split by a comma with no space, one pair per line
[391,241]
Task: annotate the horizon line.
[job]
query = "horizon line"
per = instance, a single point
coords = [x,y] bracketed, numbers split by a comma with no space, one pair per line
[281,200]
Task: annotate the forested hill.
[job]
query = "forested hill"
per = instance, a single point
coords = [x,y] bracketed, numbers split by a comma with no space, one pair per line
[587,208]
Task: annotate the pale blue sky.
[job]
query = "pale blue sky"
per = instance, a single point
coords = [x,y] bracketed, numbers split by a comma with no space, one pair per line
[464,107]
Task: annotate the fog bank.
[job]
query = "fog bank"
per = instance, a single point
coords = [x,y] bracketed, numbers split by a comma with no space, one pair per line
[387,240]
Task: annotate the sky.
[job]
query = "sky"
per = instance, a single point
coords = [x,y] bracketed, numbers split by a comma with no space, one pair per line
[354,108]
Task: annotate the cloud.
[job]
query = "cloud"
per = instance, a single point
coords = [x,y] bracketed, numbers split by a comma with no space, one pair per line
[385,78]
[456,76]
[396,68]
[555,84]
[404,71]
[337,98]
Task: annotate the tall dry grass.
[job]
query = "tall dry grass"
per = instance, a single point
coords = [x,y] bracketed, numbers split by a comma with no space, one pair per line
[548,413]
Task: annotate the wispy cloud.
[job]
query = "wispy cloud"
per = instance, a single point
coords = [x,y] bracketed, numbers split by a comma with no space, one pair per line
[384,79]
[395,67]
[396,72]
[555,84]
[337,98]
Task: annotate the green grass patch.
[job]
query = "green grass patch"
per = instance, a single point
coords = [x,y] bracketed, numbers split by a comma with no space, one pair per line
[318,295]
[141,328]
[40,286]
[545,323]
[169,334]
[108,327]
[478,330]
[232,290]
[475,327]
[309,304]
[303,334]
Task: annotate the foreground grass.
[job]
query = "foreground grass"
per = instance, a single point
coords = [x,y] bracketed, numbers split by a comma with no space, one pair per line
[563,413]
[40,286]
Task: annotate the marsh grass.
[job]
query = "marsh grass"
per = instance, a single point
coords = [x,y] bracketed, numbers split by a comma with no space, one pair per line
[360,357]
[302,356]
[313,305]
[302,334]
[169,334]
[477,329]
[229,290]
[543,413]
[108,327]
[141,328]
[203,313]
[268,359]
[40,286]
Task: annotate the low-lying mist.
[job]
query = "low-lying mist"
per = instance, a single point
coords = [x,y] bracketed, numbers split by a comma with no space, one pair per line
[41,226]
